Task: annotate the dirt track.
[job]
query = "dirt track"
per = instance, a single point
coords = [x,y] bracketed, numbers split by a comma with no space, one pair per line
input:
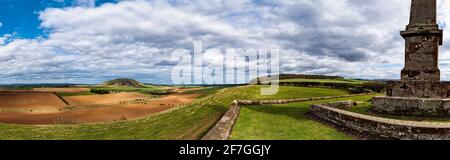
[100,113]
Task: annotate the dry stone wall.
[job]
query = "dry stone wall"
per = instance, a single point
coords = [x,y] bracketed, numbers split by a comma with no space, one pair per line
[222,129]
[382,127]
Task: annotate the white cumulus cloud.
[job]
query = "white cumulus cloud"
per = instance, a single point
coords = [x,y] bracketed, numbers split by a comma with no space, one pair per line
[135,38]
[83,3]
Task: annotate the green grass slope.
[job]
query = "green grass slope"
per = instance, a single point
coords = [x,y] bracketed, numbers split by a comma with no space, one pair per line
[189,122]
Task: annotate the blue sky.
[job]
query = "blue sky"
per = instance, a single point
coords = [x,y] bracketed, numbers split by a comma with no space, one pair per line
[90,41]
[21,16]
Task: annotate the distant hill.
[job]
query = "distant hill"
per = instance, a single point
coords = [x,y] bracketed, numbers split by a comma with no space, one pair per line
[267,79]
[124,82]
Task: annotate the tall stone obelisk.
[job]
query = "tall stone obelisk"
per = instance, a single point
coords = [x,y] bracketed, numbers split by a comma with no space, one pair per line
[423,38]
[420,92]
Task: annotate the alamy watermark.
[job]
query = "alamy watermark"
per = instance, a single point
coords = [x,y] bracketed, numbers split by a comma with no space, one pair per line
[236,66]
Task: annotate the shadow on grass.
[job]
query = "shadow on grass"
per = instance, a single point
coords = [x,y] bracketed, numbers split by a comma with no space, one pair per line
[218,108]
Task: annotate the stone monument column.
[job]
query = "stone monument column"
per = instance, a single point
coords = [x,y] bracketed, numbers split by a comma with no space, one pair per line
[420,91]
[423,38]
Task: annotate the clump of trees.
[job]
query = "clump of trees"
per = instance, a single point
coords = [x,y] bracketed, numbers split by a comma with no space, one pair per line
[100,91]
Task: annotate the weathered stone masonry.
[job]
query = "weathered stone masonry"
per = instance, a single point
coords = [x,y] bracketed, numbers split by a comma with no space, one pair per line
[382,127]
[420,91]
[222,129]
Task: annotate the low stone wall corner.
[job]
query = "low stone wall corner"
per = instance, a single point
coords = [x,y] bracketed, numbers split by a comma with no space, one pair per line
[382,128]
[222,129]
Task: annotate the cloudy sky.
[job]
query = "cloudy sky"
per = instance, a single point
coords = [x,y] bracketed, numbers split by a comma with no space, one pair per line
[88,41]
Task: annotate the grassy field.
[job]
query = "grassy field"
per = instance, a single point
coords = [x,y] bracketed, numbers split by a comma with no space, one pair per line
[189,122]
[285,122]
[289,92]
[325,80]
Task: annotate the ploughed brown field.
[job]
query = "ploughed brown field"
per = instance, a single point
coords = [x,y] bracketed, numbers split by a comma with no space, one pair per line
[24,100]
[104,99]
[46,108]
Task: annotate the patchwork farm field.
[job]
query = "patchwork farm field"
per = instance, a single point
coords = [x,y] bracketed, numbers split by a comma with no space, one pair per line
[49,106]
[22,100]
[98,113]
[189,121]
[104,98]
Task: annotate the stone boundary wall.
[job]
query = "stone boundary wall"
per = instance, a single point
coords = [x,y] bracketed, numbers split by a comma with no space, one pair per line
[382,127]
[222,129]
[263,102]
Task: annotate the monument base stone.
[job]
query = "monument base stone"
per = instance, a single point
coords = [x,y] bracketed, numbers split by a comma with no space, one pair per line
[407,106]
[421,89]
[415,98]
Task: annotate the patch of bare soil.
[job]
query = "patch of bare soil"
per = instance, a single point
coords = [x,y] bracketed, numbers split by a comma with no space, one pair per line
[104,99]
[120,107]
[25,100]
